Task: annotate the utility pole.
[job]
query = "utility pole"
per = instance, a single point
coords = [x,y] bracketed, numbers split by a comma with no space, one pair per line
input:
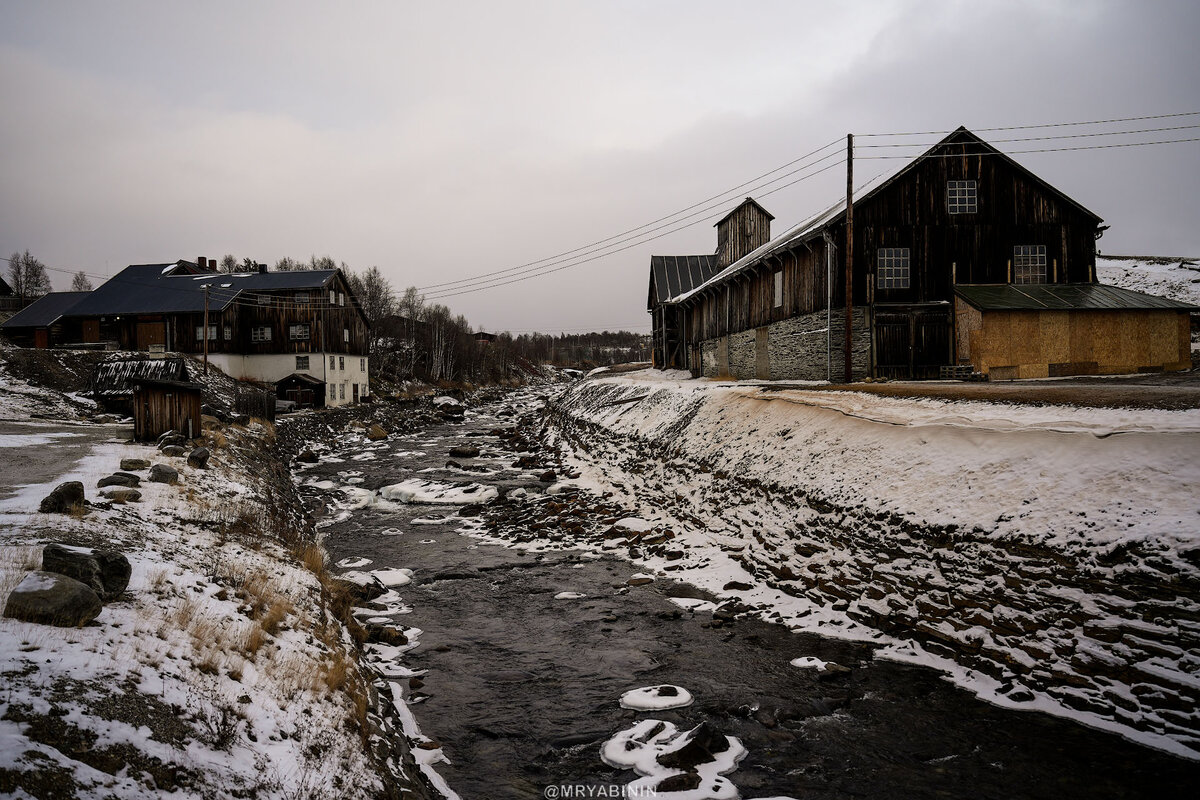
[849,253]
[205,336]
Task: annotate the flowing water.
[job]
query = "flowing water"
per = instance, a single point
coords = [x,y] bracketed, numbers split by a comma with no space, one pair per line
[523,658]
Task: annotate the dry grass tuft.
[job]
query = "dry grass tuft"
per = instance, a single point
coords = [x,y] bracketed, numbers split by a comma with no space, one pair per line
[312,556]
[276,613]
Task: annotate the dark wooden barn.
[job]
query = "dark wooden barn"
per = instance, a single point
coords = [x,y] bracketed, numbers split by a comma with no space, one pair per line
[112,382]
[962,214]
[163,405]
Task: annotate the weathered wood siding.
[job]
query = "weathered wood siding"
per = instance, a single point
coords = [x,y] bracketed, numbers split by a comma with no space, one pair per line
[158,408]
[742,232]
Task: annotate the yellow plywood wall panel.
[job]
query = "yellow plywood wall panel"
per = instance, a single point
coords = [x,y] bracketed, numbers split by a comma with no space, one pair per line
[1055,336]
[1025,343]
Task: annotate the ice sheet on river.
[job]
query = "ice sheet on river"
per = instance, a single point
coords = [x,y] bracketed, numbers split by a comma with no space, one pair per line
[434,493]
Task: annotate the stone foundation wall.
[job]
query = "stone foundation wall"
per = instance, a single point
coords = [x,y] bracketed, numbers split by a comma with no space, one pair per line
[796,349]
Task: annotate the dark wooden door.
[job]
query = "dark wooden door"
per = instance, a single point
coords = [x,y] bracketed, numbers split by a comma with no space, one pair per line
[41,338]
[91,330]
[912,344]
[149,333]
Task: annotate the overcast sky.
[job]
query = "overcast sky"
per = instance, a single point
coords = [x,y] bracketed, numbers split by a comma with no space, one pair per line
[442,140]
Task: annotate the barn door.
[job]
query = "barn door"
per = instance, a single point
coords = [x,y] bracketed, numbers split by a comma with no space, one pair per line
[41,338]
[912,345]
[91,330]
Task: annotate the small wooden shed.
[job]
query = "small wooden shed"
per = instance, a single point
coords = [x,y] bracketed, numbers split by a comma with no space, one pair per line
[162,405]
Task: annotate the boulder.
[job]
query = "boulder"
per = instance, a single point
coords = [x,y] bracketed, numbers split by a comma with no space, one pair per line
[173,450]
[119,479]
[527,462]
[106,572]
[548,476]
[52,599]
[376,432]
[464,451]
[134,463]
[385,634]
[198,458]
[65,498]
[161,473]
[171,440]
[308,457]
[122,495]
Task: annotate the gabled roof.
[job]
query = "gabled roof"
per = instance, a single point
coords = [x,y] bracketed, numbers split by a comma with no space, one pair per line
[173,288]
[1064,297]
[836,214]
[44,311]
[673,275]
[749,201]
[5,289]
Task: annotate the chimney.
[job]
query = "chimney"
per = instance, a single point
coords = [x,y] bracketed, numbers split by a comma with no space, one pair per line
[262,269]
[201,262]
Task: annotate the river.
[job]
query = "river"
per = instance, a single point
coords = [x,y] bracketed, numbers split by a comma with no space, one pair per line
[522,659]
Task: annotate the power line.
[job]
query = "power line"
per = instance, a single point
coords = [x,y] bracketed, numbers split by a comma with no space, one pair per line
[720,195]
[608,252]
[1047,125]
[1043,150]
[1046,138]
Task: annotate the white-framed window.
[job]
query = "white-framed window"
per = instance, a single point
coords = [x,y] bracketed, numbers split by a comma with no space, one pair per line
[961,197]
[892,268]
[778,288]
[341,391]
[346,335]
[341,298]
[301,298]
[342,363]
[332,363]
[264,300]
[1029,263]
[260,333]
[212,333]
[228,333]
[301,362]
[300,330]
[332,297]
[362,365]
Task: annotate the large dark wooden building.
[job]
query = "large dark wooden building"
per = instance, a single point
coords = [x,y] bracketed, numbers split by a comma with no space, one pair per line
[960,217]
[264,326]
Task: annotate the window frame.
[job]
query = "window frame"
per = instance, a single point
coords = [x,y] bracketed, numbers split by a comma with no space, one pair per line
[212,333]
[777,289]
[302,362]
[962,197]
[295,328]
[893,268]
[1030,262]
[260,334]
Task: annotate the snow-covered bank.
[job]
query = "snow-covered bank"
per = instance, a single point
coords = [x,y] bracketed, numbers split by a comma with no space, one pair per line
[1048,558]
[219,672]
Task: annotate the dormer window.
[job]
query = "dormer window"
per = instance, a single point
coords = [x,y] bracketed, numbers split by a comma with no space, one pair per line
[961,197]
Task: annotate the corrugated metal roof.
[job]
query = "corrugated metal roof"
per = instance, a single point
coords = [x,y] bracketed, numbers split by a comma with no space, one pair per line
[675,275]
[44,311]
[154,289]
[116,378]
[1064,297]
